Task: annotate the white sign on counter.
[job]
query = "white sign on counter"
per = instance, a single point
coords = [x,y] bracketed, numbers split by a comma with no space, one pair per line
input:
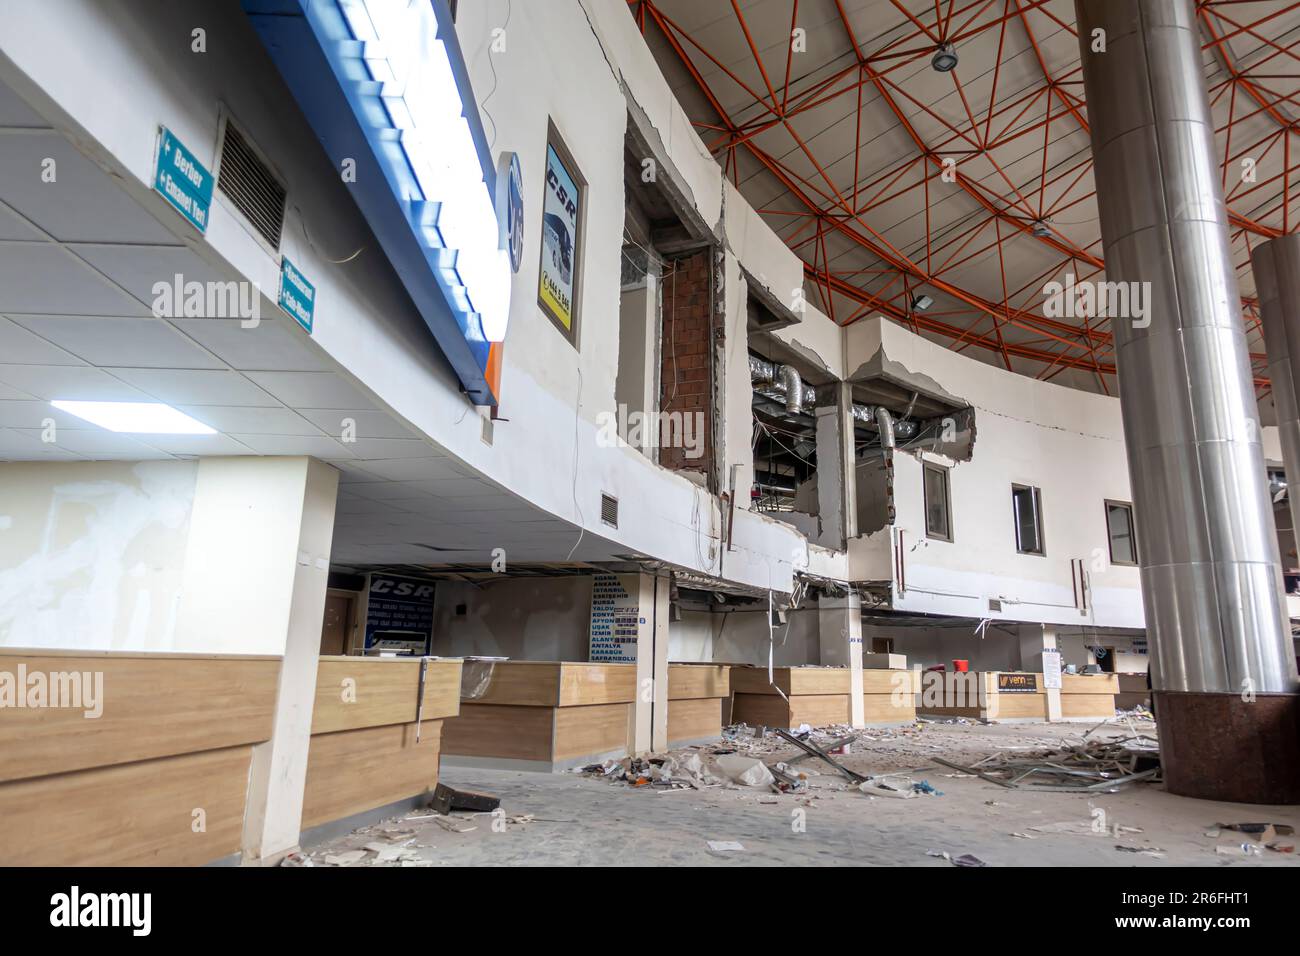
[1051,668]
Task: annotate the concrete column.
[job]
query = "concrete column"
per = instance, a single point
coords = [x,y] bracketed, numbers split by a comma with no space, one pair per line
[1047,641]
[650,711]
[1276,264]
[1224,676]
[839,625]
[257,563]
[837,486]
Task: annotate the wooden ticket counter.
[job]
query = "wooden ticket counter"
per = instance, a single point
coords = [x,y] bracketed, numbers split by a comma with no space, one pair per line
[818,696]
[541,715]
[697,694]
[364,752]
[1014,695]
[114,780]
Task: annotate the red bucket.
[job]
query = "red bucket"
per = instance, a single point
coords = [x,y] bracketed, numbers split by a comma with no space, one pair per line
[961,667]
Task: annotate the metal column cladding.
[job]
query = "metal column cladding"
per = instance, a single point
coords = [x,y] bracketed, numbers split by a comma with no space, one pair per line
[1211,578]
[1276,264]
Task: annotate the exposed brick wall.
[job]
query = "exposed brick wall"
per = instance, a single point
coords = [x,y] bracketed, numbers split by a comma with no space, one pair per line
[686,349]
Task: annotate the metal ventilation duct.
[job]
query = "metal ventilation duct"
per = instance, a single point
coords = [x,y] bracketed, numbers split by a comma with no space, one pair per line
[776,381]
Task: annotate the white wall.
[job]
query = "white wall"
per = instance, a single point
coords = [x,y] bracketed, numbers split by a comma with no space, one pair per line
[1068,443]
[740,636]
[538,619]
[200,557]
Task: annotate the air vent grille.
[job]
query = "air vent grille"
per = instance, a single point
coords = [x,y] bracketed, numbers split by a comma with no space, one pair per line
[995,605]
[251,186]
[609,510]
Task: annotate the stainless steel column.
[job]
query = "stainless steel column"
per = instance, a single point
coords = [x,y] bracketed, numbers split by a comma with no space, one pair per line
[1211,579]
[1276,264]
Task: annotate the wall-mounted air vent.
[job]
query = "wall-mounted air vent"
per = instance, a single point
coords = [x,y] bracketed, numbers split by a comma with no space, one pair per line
[609,510]
[249,183]
[995,605]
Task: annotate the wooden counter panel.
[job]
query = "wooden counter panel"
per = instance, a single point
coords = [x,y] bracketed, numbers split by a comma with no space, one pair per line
[1016,706]
[499,730]
[153,706]
[441,689]
[884,681]
[883,709]
[814,681]
[1092,684]
[585,684]
[382,691]
[745,679]
[769,710]
[694,719]
[1087,705]
[594,729]
[513,683]
[793,681]
[356,770]
[693,681]
[129,815]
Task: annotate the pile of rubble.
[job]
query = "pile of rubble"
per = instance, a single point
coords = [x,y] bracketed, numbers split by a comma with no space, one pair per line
[1091,766]
[743,758]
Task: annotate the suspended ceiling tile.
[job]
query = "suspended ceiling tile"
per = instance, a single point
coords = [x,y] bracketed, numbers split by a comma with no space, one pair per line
[252,420]
[42,277]
[82,204]
[69,382]
[317,446]
[273,344]
[105,341]
[21,346]
[196,386]
[311,389]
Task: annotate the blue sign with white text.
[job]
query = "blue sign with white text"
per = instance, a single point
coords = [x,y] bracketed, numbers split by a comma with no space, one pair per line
[297,295]
[182,180]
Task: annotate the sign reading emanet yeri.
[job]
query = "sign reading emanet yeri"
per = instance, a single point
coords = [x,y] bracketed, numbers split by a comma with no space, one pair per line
[182,180]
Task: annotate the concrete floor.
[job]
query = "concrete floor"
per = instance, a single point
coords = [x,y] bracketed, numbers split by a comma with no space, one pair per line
[578,821]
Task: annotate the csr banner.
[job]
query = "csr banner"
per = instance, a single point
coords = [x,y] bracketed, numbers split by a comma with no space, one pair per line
[560,214]
[399,611]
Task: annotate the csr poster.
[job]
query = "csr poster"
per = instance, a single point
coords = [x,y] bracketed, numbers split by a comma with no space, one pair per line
[560,211]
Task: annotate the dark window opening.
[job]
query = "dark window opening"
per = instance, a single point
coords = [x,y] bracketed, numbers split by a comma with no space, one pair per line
[1027,507]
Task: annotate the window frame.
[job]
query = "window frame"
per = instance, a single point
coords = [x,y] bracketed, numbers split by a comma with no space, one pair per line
[1037,496]
[945,471]
[1132,533]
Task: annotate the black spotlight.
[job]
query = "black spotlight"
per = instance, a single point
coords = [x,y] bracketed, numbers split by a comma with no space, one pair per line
[944,59]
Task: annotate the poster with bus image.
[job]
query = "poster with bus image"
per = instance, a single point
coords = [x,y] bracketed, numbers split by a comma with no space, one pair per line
[556,282]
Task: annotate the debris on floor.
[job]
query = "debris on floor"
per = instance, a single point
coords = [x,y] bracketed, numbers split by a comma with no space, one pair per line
[445,800]
[1092,766]
[725,846]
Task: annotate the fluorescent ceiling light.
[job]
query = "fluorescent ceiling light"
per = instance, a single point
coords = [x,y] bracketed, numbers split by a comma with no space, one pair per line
[143,418]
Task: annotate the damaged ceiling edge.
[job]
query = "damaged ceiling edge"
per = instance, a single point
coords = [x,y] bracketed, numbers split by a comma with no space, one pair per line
[668,176]
[883,367]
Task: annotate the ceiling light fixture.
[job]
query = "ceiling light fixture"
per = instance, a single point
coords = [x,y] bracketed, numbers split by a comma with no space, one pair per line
[142,418]
[944,59]
[921,302]
[1040,229]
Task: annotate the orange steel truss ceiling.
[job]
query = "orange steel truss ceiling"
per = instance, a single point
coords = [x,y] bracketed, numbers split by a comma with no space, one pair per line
[830,120]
